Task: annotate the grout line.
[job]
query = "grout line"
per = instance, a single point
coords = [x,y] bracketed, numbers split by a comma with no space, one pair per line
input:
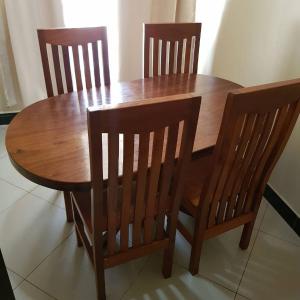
[9,269]
[247,262]
[137,275]
[280,239]
[49,202]
[9,206]
[58,245]
[37,287]
[14,185]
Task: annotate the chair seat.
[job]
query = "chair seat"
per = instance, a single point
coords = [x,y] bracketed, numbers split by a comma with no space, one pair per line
[197,175]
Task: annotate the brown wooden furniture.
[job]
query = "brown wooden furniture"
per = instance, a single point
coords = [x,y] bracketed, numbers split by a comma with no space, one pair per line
[47,141]
[153,126]
[225,190]
[70,41]
[174,48]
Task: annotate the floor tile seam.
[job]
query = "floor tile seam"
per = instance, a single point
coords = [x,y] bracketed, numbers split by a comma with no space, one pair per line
[49,202]
[57,246]
[14,185]
[137,275]
[248,259]
[40,289]
[278,238]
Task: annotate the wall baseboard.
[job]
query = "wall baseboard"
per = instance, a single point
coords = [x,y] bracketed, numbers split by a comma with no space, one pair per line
[283,209]
[5,118]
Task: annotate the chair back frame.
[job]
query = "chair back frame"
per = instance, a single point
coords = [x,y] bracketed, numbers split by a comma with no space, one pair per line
[175,48]
[165,129]
[256,126]
[63,41]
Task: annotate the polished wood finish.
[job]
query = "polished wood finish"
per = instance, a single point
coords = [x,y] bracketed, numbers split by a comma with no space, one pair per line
[171,48]
[123,125]
[48,143]
[256,126]
[66,44]
[69,40]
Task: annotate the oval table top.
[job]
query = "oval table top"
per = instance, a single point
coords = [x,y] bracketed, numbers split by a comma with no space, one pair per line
[47,142]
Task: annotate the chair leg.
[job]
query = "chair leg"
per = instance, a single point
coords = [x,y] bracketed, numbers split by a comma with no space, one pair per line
[79,241]
[68,205]
[246,235]
[198,238]
[195,255]
[99,268]
[168,260]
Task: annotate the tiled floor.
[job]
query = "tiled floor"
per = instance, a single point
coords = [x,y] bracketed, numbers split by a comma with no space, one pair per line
[44,263]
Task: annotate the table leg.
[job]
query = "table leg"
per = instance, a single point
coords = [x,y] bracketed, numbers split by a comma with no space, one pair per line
[68,205]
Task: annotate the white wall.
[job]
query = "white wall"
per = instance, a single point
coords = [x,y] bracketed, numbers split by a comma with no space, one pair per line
[253,42]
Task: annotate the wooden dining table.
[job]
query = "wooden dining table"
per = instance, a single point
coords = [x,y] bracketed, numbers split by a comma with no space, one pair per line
[47,142]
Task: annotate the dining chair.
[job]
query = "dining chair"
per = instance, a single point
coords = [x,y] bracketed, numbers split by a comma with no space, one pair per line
[224,190]
[74,54]
[171,48]
[155,138]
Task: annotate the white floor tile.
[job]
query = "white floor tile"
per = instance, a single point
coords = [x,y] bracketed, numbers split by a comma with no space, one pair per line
[276,226]
[152,285]
[273,270]
[14,278]
[222,261]
[9,194]
[261,213]
[11,175]
[239,297]
[29,230]
[67,274]
[2,140]
[53,196]
[26,291]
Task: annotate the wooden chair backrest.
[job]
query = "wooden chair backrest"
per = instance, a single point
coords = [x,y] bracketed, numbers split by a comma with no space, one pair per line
[256,126]
[175,48]
[67,45]
[157,130]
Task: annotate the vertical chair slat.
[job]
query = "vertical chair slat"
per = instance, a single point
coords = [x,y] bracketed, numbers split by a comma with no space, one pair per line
[151,203]
[166,178]
[87,71]
[65,51]
[155,56]
[96,64]
[163,57]
[55,55]
[283,112]
[243,163]
[223,171]
[196,55]
[77,67]
[179,56]
[171,57]
[127,189]
[146,56]
[112,190]
[230,177]
[187,56]
[46,68]
[105,61]
[141,188]
[246,180]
